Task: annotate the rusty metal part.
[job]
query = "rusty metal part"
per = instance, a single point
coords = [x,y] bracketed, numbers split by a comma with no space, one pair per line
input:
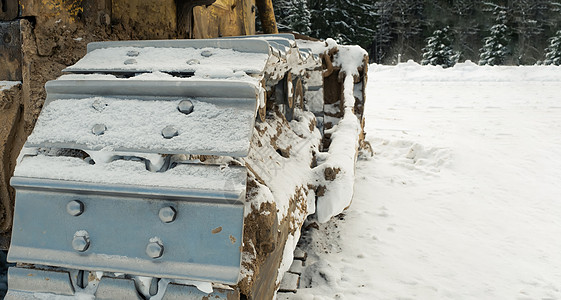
[10,51]
[8,10]
[327,61]
[66,11]
[224,18]
[267,16]
[328,66]
[185,18]
[262,113]
[11,130]
[332,93]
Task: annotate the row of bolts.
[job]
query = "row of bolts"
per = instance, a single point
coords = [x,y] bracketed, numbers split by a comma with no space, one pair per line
[185,106]
[81,241]
[134,53]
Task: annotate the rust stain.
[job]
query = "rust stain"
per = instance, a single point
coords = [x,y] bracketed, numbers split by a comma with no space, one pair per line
[72,8]
[232,239]
[216,230]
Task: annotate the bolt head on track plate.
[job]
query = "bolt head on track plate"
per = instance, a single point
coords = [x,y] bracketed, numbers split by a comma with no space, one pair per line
[99,129]
[169,131]
[154,249]
[167,214]
[80,242]
[75,208]
[186,106]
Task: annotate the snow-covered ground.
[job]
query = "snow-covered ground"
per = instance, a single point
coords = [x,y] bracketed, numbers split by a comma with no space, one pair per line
[462,197]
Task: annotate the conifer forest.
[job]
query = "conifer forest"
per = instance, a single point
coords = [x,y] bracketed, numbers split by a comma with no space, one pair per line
[438,32]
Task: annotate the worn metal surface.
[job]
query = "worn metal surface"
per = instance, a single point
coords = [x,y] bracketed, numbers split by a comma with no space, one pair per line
[176,291]
[226,96]
[11,113]
[10,51]
[202,243]
[279,39]
[39,281]
[224,18]
[9,10]
[116,288]
[213,90]
[185,16]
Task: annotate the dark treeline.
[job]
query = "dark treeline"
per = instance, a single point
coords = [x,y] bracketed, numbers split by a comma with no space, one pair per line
[508,32]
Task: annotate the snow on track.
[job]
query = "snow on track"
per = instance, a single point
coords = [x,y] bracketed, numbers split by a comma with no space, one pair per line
[461,199]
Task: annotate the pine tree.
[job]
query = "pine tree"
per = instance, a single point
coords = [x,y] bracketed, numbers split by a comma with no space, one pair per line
[347,21]
[439,50]
[293,15]
[466,27]
[529,26]
[283,9]
[495,48]
[300,17]
[398,28]
[383,31]
[553,52]
[387,28]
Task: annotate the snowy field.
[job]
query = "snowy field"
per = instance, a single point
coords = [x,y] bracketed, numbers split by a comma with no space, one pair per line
[462,198]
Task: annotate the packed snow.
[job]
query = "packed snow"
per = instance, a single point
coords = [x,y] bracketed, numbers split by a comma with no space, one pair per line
[134,173]
[172,60]
[338,193]
[344,135]
[222,127]
[461,197]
